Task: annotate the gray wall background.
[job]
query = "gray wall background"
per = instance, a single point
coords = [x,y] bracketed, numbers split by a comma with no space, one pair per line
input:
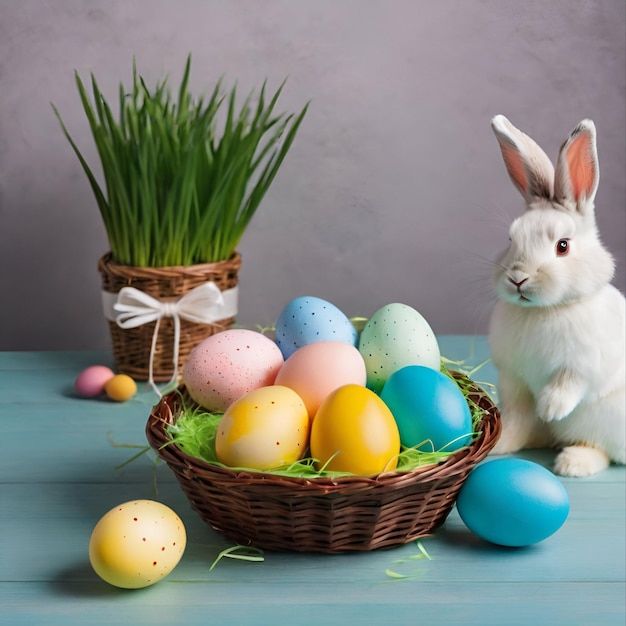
[394,190]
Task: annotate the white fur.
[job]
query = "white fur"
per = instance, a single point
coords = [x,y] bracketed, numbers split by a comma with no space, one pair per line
[557,334]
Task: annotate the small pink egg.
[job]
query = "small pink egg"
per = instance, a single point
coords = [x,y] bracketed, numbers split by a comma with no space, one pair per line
[91,381]
[317,369]
[225,366]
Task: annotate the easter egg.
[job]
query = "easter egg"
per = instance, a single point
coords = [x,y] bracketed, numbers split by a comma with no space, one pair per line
[396,336]
[264,429]
[512,502]
[308,319]
[354,431]
[430,409]
[229,364]
[90,382]
[120,388]
[136,544]
[315,370]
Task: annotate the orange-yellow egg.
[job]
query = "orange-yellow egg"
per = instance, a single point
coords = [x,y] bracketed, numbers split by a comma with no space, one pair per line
[266,428]
[354,431]
[120,388]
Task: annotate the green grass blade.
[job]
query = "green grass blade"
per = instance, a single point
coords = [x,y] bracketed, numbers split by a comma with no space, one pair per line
[178,189]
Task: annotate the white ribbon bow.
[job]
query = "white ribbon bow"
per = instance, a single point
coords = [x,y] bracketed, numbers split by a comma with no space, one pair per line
[204,304]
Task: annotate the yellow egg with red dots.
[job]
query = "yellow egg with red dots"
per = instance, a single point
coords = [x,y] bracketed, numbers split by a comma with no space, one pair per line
[267,428]
[120,388]
[136,544]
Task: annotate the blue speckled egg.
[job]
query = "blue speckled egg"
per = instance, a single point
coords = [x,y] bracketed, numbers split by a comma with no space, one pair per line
[513,502]
[308,319]
[430,409]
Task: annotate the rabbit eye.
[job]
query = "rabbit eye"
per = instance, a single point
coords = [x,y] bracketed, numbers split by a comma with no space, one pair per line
[562,247]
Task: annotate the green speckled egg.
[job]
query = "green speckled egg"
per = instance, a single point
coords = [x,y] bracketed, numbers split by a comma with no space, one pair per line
[394,337]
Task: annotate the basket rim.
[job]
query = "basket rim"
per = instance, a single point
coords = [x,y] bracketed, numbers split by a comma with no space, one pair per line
[161,443]
[108,263]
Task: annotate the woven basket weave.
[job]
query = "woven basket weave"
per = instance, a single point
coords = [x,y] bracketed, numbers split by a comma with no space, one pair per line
[353,513]
[131,347]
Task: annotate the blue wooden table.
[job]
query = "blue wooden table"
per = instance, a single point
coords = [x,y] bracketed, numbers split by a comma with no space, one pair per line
[60,472]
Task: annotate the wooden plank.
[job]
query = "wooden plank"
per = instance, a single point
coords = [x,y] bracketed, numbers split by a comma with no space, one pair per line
[586,548]
[54,360]
[58,476]
[404,604]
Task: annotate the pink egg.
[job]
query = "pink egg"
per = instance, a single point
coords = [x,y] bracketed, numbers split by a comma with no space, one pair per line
[91,381]
[317,369]
[224,367]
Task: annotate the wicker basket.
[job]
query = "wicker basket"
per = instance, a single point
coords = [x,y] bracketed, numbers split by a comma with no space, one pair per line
[353,513]
[131,347]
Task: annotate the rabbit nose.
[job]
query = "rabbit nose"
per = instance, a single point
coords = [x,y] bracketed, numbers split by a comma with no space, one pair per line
[517,276]
[517,283]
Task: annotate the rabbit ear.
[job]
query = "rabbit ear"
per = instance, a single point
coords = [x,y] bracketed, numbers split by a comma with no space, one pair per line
[577,169]
[528,165]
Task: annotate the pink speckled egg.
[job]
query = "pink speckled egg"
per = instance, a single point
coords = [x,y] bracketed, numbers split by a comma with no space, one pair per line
[91,381]
[317,369]
[225,366]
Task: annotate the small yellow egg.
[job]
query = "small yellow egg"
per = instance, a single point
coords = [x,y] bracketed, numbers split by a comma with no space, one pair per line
[120,388]
[136,544]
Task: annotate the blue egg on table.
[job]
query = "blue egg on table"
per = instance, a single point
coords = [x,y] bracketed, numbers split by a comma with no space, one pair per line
[430,409]
[308,319]
[513,502]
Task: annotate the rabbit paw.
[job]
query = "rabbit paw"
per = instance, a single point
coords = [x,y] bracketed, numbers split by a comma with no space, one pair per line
[578,461]
[560,396]
[555,404]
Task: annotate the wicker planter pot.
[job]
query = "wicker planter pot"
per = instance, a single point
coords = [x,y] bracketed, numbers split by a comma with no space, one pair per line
[133,347]
[332,515]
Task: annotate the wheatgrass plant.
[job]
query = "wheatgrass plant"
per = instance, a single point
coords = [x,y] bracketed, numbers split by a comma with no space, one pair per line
[182,177]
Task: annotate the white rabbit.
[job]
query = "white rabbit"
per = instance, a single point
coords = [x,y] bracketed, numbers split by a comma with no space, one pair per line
[557,332]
